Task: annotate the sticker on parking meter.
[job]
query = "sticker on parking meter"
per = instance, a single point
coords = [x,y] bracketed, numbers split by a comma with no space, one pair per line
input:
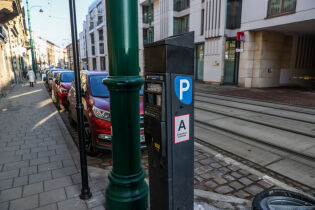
[181,128]
[183,89]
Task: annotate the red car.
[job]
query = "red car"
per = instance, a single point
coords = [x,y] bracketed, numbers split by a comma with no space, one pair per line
[60,88]
[95,99]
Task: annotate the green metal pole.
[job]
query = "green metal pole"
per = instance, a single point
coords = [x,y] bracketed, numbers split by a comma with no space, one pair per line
[34,65]
[127,188]
[150,29]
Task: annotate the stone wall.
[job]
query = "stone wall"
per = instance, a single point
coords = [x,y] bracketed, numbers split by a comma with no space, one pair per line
[265,54]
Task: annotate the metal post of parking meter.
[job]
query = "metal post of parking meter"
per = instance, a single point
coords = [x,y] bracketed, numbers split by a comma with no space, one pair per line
[169,121]
[85,191]
[127,188]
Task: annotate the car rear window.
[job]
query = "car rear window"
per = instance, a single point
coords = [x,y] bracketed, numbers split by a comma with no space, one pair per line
[98,89]
[67,77]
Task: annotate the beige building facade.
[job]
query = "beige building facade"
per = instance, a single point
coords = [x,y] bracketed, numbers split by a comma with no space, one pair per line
[279,44]
[13,44]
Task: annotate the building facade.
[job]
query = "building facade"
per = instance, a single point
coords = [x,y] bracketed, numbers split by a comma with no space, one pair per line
[56,56]
[93,41]
[13,44]
[236,41]
[279,43]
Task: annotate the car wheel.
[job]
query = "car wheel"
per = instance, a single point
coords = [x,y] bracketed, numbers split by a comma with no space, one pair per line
[89,148]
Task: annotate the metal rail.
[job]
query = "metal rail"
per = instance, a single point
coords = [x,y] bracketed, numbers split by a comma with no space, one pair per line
[212,95]
[257,122]
[255,140]
[259,112]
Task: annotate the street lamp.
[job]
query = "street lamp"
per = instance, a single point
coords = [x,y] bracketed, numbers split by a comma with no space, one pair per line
[34,63]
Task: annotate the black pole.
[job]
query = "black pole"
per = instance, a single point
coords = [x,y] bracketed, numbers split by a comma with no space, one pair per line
[85,191]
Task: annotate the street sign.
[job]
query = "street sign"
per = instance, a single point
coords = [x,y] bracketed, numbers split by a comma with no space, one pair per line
[183,89]
[182,128]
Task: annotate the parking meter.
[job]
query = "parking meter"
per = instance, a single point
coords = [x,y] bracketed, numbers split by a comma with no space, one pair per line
[169,121]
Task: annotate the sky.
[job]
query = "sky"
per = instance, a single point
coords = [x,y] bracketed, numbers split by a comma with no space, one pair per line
[54,23]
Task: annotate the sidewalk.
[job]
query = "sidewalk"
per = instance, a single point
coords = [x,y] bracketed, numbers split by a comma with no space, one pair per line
[37,170]
[39,163]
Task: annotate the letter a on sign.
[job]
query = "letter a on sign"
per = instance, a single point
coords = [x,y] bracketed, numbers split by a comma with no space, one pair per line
[182,128]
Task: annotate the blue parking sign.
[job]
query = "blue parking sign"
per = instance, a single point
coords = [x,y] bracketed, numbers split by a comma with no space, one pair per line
[183,89]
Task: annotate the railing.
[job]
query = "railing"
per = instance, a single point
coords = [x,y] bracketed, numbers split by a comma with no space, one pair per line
[280,7]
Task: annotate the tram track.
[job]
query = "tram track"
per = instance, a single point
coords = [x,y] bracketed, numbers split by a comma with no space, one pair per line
[279,106]
[256,140]
[258,112]
[279,138]
[258,122]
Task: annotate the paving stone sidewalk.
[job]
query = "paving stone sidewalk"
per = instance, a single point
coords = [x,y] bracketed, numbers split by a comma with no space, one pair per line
[36,168]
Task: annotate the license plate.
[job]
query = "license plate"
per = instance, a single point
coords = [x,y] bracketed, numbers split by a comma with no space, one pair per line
[142,138]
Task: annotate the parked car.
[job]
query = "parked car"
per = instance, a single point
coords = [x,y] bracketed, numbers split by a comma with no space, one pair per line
[95,99]
[60,88]
[52,75]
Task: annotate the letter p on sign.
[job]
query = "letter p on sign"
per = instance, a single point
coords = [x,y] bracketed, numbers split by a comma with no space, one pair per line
[183,89]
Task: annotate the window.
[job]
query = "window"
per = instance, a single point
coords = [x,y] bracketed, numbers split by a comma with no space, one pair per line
[146,35]
[92,38]
[181,4]
[99,8]
[91,25]
[99,20]
[234,11]
[94,63]
[93,50]
[279,7]
[103,63]
[101,47]
[181,25]
[145,13]
[100,35]
[91,15]
[96,86]
[202,21]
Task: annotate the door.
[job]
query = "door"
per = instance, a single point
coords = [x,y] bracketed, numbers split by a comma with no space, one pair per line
[199,61]
[231,62]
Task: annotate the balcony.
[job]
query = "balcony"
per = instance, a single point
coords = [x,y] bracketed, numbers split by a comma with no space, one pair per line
[9,9]
[281,7]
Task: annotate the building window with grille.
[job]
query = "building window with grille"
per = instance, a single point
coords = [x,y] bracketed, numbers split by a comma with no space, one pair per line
[145,14]
[101,47]
[103,63]
[94,63]
[233,15]
[146,35]
[180,5]
[202,21]
[181,25]
[101,35]
[99,8]
[92,39]
[99,20]
[280,7]
[93,50]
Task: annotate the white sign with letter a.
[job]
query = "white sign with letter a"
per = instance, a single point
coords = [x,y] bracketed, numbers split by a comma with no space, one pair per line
[181,128]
